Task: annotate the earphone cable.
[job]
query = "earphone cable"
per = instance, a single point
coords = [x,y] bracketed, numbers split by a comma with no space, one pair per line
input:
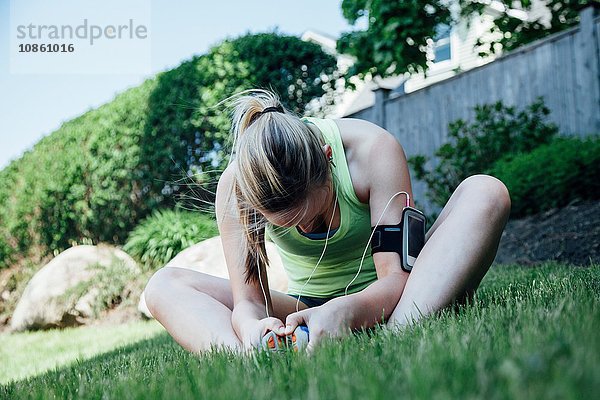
[322,253]
[260,278]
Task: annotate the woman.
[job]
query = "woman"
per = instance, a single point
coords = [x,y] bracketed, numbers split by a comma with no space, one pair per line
[316,187]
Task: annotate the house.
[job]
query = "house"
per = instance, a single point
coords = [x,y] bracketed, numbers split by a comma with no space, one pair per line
[452,51]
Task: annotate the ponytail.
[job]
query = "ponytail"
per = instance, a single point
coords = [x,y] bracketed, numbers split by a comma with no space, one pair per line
[278,162]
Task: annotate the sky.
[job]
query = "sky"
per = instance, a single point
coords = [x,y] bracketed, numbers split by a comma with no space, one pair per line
[33,105]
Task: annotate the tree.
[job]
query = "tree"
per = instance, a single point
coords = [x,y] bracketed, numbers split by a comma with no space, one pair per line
[509,31]
[398,31]
[396,38]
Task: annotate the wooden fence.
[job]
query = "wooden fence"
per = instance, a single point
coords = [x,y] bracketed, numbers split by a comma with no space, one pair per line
[562,68]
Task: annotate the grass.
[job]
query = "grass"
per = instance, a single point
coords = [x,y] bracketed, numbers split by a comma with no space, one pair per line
[530,333]
[31,353]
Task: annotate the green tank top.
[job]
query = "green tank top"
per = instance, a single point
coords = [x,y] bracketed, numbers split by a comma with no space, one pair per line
[299,254]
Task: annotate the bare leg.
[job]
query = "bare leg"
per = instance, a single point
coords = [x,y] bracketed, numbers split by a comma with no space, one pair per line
[195,308]
[459,249]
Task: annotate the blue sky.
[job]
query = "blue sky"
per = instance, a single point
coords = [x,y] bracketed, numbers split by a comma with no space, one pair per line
[34,105]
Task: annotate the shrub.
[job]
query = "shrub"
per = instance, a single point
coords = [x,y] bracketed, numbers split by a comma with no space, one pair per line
[552,175]
[497,132]
[158,238]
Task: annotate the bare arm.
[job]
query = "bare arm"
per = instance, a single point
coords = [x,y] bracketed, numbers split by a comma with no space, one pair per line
[248,298]
[387,172]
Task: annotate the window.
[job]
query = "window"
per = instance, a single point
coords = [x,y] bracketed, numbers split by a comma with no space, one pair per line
[442,50]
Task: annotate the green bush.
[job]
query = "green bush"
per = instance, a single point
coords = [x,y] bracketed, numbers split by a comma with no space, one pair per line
[158,238]
[101,173]
[552,175]
[497,132]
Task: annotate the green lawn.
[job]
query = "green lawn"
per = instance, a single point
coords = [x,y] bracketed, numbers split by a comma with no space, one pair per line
[531,333]
[30,353]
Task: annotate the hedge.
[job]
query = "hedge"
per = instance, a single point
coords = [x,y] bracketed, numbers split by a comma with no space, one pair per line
[552,175]
[99,174]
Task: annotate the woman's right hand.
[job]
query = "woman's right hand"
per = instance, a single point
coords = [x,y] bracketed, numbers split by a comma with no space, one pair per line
[253,331]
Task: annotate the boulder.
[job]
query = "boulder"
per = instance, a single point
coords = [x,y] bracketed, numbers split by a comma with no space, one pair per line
[207,257]
[47,299]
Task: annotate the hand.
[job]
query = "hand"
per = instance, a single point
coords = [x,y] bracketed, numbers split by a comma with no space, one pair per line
[255,330]
[329,320]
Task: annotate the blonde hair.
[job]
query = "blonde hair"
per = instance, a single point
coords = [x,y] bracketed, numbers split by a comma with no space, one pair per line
[279,161]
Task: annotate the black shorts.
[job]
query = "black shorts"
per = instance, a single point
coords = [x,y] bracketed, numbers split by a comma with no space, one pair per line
[312,301]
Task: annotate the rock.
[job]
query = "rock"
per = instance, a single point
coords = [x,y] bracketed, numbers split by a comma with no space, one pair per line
[207,257]
[44,304]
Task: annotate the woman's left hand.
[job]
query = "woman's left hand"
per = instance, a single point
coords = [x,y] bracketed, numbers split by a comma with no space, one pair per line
[331,319]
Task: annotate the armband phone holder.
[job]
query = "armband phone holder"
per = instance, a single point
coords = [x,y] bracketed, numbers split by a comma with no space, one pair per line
[407,238]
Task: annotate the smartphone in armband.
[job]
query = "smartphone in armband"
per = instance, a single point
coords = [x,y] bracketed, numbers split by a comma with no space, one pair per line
[407,238]
[413,236]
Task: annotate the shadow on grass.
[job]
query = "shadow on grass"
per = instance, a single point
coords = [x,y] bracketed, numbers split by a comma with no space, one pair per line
[161,341]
